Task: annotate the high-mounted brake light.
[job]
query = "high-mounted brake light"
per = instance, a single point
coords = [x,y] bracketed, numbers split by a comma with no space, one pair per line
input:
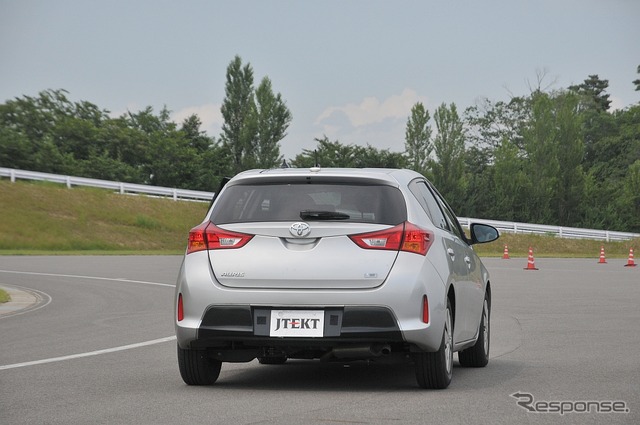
[209,236]
[403,237]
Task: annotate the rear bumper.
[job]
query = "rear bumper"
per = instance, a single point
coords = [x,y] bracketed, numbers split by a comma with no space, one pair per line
[233,323]
[241,333]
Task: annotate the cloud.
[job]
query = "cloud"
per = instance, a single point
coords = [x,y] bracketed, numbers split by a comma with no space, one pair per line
[130,107]
[616,103]
[385,135]
[371,110]
[379,123]
[209,115]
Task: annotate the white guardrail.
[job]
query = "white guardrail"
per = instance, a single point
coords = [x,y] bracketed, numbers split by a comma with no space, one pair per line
[122,188]
[195,195]
[558,231]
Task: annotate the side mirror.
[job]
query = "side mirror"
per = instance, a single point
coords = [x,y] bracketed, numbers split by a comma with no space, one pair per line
[483,233]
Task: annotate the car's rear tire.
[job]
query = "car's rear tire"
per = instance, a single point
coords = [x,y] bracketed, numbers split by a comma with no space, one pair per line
[478,355]
[196,368]
[434,370]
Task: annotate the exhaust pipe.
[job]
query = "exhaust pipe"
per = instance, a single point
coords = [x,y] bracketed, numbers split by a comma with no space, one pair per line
[359,352]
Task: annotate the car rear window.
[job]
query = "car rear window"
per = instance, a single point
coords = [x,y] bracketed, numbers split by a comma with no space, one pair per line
[294,202]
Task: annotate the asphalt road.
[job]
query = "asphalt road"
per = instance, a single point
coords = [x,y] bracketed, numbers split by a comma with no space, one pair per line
[98,348]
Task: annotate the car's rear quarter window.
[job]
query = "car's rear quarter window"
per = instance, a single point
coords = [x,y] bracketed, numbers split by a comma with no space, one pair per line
[365,203]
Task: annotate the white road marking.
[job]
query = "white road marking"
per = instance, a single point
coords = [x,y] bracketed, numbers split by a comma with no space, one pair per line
[88,277]
[89,354]
[42,300]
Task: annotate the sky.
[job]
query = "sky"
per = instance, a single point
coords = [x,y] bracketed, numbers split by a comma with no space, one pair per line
[350,70]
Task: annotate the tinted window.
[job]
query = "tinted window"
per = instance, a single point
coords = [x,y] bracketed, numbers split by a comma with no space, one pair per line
[429,203]
[454,224]
[285,202]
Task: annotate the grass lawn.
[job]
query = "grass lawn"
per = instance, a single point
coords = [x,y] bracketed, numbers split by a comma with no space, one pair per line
[4,296]
[49,219]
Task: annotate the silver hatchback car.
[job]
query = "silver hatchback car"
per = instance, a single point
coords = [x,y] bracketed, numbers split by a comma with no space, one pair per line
[332,264]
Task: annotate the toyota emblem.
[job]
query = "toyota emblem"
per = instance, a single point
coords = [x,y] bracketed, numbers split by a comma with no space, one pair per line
[299,229]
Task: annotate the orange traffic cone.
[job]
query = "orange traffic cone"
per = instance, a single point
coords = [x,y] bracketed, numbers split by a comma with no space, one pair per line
[603,260]
[531,265]
[505,256]
[630,262]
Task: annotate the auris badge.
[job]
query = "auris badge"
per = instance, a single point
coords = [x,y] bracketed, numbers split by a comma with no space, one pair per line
[299,229]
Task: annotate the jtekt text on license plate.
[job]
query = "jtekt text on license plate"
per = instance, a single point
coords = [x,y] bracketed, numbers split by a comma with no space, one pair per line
[297,323]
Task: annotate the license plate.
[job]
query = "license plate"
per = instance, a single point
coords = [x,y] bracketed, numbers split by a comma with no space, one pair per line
[297,323]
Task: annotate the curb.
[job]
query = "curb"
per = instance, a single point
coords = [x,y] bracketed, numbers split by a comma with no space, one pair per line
[20,300]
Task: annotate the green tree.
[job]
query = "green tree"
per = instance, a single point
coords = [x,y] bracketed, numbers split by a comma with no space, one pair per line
[448,171]
[238,110]
[170,155]
[593,108]
[50,123]
[48,158]
[50,133]
[198,139]
[171,160]
[272,120]
[615,152]
[594,90]
[35,117]
[637,82]
[489,124]
[479,169]
[494,158]
[370,157]
[554,152]
[211,160]
[631,200]
[542,158]
[335,154]
[511,184]
[213,165]
[16,150]
[327,154]
[126,145]
[417,143]
[571,178]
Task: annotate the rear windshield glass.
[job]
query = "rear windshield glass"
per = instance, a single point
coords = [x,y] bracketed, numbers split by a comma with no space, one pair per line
[310,202]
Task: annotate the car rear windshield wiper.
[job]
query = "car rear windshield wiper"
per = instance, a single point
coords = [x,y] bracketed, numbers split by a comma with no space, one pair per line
[323,215]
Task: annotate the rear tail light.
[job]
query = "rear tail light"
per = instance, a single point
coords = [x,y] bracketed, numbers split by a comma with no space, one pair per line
[389,239]
[209,236]
[416,239]
[403,237]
